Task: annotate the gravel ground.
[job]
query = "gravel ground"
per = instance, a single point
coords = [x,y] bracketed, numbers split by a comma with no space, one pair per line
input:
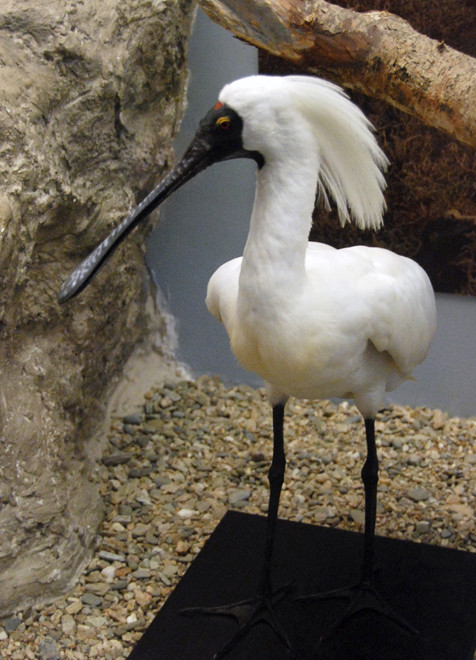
[197,448]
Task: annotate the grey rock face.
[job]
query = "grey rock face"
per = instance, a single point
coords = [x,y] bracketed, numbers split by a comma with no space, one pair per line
[91,93]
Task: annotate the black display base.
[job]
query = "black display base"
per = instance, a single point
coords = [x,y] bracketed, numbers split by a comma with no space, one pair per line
[432,588]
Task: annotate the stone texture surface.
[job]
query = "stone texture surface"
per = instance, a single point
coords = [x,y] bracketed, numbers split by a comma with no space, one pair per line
[90,97]
[188,448]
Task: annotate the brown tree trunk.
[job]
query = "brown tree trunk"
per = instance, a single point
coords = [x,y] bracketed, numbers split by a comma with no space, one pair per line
[377,53]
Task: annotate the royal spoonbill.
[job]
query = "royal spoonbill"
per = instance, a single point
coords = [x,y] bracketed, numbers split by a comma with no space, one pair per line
[312,321]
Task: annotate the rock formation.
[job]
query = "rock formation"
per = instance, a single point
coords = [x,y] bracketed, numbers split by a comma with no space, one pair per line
[91,97]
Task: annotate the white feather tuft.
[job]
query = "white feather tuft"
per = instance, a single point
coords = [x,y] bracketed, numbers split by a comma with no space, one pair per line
[350,162]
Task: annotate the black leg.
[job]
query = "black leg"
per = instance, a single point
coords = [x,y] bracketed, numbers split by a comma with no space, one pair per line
[260,608]
[276,478]
[364,595]
[370,479]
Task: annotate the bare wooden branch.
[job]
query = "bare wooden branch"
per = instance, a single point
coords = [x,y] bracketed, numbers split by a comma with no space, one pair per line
[377,53]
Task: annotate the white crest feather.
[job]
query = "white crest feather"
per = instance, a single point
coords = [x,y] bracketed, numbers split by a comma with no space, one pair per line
[351,163]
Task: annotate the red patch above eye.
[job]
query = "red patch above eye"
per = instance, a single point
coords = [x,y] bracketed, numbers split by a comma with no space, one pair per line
[218,105]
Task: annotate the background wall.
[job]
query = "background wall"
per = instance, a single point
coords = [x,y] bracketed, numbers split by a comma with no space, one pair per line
[205,224]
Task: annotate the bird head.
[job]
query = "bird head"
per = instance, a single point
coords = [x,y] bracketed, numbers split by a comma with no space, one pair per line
[271,122]
[218,138]
[307,119]
[265,118]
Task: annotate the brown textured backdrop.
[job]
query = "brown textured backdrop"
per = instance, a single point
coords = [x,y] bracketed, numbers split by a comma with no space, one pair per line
[431,194]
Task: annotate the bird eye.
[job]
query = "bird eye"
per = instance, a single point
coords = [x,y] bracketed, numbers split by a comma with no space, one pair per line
[224,123]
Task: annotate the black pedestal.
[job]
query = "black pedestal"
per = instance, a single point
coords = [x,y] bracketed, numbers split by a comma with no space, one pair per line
[432,588]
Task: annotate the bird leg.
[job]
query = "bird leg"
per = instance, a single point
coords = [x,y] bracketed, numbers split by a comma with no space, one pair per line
[259,608]
[276,479]
[364,595]
[369,477]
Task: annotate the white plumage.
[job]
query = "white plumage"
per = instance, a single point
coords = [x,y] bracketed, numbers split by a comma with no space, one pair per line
[309,128]
[313,321]
[355,327]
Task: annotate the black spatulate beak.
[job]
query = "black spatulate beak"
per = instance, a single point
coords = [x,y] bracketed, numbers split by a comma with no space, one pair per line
[218,138]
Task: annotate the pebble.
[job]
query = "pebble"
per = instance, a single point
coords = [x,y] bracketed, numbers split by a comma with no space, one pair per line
[142,497]
[133,419]
[186,513]
[74,607]
[418,494]
[91,599]
[98,588]
[68,624]
[358,516]
[116,459]
[11,624]
[173,467]
[422,527]
[182,548]
[96,621]
[237,496]
[109,573]
[111,556]
[49,650]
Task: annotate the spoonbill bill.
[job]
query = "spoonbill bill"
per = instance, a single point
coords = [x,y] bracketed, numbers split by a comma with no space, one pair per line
[313,321]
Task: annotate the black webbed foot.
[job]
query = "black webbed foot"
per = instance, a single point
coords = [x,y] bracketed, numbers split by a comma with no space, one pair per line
[362,596]
[247,613]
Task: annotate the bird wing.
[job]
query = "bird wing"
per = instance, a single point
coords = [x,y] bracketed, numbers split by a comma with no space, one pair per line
[400,303]
[222,291]
[357,295]
[375,295]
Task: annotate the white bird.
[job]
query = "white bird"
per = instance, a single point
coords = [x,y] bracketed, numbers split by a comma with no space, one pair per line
[312,321]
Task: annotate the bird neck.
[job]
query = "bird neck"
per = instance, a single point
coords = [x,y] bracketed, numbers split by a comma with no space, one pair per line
[281,221]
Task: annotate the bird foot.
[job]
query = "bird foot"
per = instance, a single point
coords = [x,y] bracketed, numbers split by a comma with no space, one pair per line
[363,596]
[247,613]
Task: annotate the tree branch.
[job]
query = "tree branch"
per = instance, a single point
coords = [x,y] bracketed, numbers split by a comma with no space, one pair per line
[376,53]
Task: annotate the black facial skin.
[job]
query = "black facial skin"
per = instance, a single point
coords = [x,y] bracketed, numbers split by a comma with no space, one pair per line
[219,137]
[222,129]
